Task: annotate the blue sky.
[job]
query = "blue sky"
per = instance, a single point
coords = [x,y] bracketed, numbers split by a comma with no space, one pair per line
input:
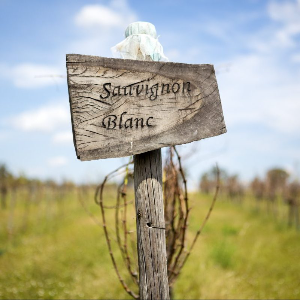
[254,45]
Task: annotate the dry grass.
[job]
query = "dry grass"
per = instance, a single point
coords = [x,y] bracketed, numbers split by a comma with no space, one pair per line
[62,254]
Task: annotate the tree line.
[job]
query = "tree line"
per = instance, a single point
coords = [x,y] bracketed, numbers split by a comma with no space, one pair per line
[271,192]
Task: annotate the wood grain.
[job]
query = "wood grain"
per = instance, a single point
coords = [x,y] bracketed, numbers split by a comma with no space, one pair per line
[125,107]
[153,277]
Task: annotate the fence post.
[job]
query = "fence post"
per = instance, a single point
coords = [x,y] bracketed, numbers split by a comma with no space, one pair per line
[151,240]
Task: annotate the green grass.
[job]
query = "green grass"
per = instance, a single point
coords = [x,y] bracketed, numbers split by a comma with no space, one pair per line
[222,254]
[61,254]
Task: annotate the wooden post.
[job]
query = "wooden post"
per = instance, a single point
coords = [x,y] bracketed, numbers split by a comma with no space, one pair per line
[122,107]
[151,240]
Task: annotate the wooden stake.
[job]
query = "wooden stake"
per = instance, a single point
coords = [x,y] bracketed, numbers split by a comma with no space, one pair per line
[151,240]
[124,107]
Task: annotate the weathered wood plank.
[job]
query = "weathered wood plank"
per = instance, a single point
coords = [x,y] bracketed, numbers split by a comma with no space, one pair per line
[125,107]
[153,279]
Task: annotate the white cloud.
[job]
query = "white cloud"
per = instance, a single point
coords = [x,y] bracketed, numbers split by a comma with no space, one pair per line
[288,13]
[95,16]
[102,27]
[262,88]
[98,15]
[57,161]
[64,137]
[30,76]
[259,90]
[44,119]
[285,11]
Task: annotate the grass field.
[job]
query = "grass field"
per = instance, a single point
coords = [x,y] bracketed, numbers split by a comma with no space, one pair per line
[54,250]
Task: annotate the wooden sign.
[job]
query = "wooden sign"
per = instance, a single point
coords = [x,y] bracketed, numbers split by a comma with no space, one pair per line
[124,107]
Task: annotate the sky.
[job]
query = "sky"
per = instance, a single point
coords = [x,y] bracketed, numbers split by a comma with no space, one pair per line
[254,45]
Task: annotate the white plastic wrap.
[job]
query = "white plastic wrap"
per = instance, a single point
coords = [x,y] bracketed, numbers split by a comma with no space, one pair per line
[141,43]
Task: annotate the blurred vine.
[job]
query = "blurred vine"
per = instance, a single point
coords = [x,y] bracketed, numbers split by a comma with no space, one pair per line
[177,214]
